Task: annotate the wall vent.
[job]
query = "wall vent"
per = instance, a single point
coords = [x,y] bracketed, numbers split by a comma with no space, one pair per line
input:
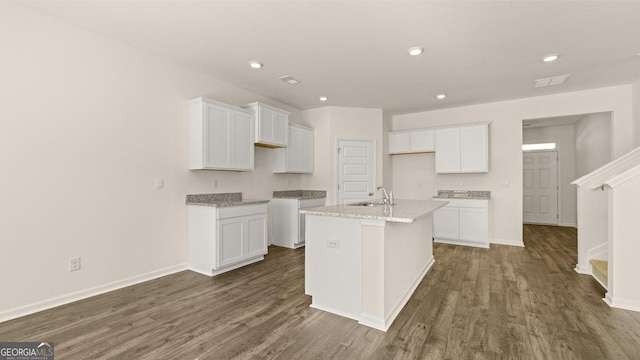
[289,80]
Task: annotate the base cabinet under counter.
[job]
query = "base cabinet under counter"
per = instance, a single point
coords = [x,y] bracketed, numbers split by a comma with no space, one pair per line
[226,238]
[462,222]
[288,225]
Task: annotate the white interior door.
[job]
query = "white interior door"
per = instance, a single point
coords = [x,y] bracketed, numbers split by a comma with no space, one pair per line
[540,187]
[356,171]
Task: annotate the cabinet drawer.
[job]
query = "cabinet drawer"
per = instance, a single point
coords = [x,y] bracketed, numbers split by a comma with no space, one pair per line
[241,210]
[466,203]
[312,202]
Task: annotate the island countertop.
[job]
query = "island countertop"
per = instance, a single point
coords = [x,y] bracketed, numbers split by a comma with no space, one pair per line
[404,211]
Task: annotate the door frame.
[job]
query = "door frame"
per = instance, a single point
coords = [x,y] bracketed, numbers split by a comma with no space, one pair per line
[336,158]
[558,188]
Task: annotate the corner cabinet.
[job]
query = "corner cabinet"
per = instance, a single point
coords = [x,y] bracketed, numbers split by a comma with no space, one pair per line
[221,136]
[462,149]
[411,141]
[270,125]
[226,238]
[297,157]
[462,222]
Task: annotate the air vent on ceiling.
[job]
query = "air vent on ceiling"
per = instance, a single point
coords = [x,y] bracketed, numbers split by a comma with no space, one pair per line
[289,80]
[556,80]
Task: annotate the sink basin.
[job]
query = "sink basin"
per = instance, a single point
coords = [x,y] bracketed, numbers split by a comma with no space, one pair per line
[369,203]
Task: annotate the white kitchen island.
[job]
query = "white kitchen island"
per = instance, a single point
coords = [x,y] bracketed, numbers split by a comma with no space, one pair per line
[365,262]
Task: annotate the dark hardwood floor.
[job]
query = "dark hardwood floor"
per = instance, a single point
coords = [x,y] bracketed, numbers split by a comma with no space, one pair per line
[499,303]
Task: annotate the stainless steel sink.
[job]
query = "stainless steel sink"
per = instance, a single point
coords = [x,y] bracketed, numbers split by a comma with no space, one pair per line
[369,203]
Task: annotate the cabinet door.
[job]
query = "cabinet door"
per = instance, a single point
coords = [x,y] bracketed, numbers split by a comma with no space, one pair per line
[446,223]
[448,150]
[264,130]
[422,141]
[230,242]
[474,148]
[280,128]
[399,142]
[473,224]
[256,235]
[293,149]
[242,141]
[306,151]
[218,129]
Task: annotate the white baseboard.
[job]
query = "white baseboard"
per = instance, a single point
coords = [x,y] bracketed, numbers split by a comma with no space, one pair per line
[87,293]
[383,324]
[461,242]
[507,242]
[333,311]
[583,269]
[574,225]
[624,304]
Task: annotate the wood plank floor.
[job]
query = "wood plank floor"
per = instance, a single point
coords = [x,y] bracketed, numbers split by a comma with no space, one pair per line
[499,303]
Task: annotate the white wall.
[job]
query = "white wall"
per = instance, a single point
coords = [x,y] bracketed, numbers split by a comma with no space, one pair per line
[86,125]
[593,143]
[331,123]
[505,177]
[564,137]
[636,111]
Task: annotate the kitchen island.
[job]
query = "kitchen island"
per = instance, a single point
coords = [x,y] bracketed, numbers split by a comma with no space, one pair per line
[364,262]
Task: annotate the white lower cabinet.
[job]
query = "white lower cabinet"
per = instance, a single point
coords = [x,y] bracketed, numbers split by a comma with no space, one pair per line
[288,225]
[225,238]
[462,222]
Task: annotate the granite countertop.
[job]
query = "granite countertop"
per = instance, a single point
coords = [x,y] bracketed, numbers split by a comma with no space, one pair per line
[300,194]
[463,194]
[404,211]
[221,200]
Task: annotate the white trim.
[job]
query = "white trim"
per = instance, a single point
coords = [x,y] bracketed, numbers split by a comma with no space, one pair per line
[621,303]
[506,242]
[624,177]
[581,269]
[373,321]
[609,170]
[333,311]
[228,268]
[384,324]
[87,293]
[462,242]
[567,224]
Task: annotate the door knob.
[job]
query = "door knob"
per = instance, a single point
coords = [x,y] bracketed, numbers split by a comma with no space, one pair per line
[370,194]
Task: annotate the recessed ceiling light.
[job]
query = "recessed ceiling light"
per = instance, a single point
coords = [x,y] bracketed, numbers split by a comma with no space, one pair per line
[441,96]
[416,50]
[255,64]
[323,98]
[551,57]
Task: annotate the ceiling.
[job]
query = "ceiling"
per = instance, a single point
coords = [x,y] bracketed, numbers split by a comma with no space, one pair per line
[355,52]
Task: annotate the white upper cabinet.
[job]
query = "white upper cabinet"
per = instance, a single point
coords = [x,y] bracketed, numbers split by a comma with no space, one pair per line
[221,136]
[474,148]
[411,141]
[297,157]
[462,149]
[271,125]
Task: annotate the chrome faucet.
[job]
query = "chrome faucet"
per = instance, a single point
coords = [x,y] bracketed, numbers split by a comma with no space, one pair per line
[387,197]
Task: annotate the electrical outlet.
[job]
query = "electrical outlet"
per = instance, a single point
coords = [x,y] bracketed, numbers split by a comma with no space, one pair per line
[159,184]
[333,244]
[74,263]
